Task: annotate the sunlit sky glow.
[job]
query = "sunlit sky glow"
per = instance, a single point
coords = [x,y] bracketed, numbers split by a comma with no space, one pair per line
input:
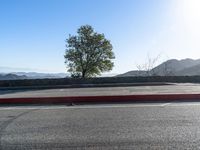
[33,32]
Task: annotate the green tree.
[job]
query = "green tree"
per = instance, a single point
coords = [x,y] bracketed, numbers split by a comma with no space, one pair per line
[88,54]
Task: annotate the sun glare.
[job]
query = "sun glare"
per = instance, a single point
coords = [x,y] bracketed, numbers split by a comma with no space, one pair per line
[191,14]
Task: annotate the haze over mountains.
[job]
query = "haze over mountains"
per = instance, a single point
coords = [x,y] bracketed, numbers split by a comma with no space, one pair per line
[172,67]
[36,75]
[8,73]
[12,77]
[31,75]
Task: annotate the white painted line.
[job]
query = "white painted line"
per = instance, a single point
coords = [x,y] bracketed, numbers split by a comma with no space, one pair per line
[99,106]
[184,104]
[118,106]
[32,107]
[82,106]
[166,104]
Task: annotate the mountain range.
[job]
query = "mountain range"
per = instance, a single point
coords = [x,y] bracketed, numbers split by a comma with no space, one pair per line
[36,75]
[30,75]
[172,67]
[12,77]
[9,73]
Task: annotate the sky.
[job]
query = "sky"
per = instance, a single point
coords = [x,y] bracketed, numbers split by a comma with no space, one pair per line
[33,32]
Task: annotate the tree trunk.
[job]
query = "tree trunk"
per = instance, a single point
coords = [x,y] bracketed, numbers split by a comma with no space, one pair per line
[83,74]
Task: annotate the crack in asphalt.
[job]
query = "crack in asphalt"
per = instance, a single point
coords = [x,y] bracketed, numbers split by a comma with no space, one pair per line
[5,124]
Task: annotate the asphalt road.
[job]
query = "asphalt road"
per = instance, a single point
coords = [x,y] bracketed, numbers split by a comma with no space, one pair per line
[133,90]
[97,127]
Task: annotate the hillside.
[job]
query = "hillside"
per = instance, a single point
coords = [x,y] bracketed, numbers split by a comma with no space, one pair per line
[30,73]
[36,75]
[172,67]
[11,77]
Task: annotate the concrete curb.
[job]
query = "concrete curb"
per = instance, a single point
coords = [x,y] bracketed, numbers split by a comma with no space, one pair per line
[99,99]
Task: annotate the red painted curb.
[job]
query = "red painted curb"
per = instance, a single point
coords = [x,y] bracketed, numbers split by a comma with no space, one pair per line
[97,99]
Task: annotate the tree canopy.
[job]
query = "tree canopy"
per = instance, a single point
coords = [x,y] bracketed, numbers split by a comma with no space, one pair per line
[88,54]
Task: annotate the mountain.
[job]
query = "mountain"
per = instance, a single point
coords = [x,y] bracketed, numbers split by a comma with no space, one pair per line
[191,71]
[11,77]
[35,75]
[133,73]
[108,75]
[30,73]
[172,67]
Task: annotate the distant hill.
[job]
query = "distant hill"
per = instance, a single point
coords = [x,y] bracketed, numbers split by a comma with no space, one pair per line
[172,67]
[30,73]
[133,73]
[35,75]
[191,71]
[12,77]
[175,67]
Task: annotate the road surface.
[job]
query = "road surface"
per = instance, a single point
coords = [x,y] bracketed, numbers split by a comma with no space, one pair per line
[95,127]
[105,91]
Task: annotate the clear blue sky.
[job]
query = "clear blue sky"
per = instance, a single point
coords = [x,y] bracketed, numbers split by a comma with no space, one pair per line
[33,32]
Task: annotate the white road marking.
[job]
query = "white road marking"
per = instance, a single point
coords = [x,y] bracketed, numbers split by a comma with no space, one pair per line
[184,104]
[61,90]
[165,104]
[32,107]
[101,106]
